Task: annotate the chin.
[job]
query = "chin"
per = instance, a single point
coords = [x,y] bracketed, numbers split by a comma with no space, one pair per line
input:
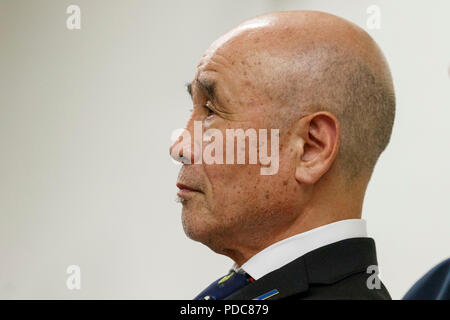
[198,228]
[193,225]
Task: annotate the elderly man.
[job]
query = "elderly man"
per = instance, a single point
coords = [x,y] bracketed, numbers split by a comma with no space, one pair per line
[296,232]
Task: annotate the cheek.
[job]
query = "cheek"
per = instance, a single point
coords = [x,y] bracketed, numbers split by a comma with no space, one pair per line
[241,189]
[238,189]
[231,185]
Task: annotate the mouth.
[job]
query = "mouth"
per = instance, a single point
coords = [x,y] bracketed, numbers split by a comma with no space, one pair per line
[186,190]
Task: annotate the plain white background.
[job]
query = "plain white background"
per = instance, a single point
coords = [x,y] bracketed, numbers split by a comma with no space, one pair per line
[85,123]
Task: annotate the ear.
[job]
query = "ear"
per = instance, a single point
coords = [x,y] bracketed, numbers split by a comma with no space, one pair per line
[318,145]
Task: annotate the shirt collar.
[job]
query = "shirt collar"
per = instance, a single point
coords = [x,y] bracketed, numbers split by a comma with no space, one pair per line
[282,252]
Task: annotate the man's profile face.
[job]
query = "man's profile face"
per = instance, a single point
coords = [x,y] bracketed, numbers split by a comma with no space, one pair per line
[231,199]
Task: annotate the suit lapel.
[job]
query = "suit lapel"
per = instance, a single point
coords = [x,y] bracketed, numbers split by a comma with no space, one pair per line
[286,281]
[325,265]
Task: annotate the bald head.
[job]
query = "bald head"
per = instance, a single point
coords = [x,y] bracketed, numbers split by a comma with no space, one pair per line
[300,62]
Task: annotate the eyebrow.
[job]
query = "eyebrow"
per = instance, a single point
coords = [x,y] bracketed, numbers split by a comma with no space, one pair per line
[207,86]
[189,88]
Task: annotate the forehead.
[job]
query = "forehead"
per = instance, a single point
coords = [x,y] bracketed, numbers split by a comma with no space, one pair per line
[230,48]
[238,35]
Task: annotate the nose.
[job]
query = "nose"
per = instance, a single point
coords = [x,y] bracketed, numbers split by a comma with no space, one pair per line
[183,150]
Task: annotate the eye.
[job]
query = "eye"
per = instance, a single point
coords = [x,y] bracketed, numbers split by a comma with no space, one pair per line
[209,109]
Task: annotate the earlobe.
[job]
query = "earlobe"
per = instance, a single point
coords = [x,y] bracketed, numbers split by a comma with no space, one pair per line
[319,139]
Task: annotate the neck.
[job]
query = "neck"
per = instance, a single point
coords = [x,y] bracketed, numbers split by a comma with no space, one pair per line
[320,210]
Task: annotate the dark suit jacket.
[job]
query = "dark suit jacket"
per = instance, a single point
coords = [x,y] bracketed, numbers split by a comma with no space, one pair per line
[336,271]
[434,285]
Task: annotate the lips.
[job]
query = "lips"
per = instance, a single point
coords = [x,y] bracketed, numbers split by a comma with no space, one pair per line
[189,183]
[186,190]
[183,186]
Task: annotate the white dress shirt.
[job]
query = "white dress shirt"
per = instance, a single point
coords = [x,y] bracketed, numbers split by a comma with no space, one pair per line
[287,250]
